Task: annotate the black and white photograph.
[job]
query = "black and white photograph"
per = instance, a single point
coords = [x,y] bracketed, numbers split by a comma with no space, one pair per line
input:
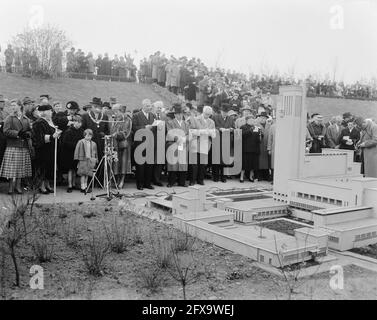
[188,156]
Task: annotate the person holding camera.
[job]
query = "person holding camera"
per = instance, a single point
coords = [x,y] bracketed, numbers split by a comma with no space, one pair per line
[16,163]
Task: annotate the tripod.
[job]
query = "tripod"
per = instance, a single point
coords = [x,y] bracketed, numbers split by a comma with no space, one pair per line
[108,176]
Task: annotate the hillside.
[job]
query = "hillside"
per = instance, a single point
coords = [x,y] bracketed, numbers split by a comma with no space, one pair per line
[329,107]
[82,91]
[131,94]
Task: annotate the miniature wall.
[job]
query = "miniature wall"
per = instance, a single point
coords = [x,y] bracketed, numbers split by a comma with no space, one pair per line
[346,195]
[317,165]
[370,199]
[323,220]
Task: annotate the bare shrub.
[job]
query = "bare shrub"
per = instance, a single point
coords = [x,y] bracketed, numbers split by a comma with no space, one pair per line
[150,277]
[13,230]
[71,232]
[94,252]
[3,293]
[184,269]
[47,222]
[182,241]
[42,247]
[117,236]
[161,247]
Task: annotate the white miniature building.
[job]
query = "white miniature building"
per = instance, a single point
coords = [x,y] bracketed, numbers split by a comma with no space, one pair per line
[320,186]
[251,211]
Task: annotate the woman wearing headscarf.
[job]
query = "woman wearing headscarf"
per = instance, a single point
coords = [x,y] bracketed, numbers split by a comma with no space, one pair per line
[120,130]
[368,145]
[44,137]
[16,164]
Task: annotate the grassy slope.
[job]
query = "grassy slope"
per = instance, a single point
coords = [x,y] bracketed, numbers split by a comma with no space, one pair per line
[132,94]
[82,91]
[331,107]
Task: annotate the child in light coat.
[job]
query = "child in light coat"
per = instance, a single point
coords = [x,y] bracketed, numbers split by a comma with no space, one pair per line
[86,154]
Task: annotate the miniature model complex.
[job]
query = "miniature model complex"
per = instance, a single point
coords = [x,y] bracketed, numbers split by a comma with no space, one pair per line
[326,191]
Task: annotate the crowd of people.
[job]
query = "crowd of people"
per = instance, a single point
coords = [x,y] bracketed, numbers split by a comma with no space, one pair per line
[27,62]
[179,75]
[29,131]
[120,68]
[78,64]
[182,75]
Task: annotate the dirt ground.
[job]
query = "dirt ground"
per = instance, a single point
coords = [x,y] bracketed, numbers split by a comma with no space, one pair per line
[220,274]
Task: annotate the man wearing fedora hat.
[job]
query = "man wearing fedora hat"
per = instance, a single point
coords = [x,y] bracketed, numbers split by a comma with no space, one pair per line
[97,121]
[177,133]
[222,123]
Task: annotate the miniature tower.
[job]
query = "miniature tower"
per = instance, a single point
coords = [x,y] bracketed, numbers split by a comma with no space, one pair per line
[289,138]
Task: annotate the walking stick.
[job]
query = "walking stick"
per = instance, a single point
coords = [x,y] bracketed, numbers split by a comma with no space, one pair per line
[55,160]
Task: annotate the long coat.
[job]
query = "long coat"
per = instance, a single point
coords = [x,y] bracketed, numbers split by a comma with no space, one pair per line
[196,125]
[332,135]
[203,95]
[172,135]
[44,151]
[99,130]
[139,121]
[175,75]
[12,126]
[369,138]
[168,71]
[271,144]
[69,140]
[263,155]
[227,123]
[251,140]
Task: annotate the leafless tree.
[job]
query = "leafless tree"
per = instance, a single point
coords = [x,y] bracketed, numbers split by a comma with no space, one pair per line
[41,40]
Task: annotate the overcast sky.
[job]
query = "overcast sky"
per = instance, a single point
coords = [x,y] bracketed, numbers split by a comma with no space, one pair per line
[310,36]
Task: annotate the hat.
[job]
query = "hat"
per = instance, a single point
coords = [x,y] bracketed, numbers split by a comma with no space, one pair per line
[113,100]
[44,107]
[247,108]
[177,108]
[96,101]
[232,113]
[347,115]
[27,100]
[262,114]
[225,107]
[44,96]
[106,104]
[200,108]
[72,105]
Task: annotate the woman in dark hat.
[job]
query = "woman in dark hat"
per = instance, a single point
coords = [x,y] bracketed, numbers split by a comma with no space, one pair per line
[44,136]
[16,164]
